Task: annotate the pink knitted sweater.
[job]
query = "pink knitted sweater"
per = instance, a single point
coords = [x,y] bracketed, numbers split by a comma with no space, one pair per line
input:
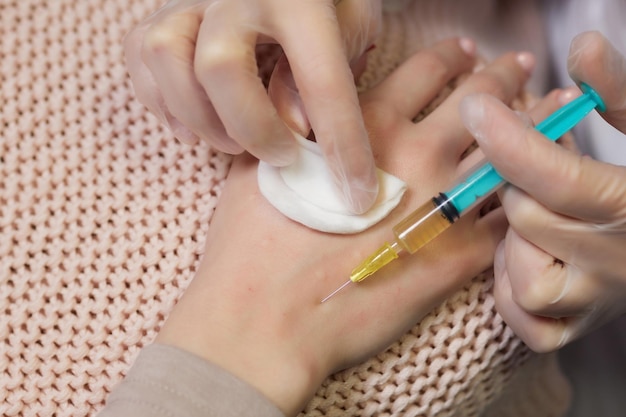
[103,217]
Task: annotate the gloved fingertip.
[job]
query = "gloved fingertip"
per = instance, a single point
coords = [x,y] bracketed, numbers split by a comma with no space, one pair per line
[592,58]
[566,335]
[182,133]
[580,43]
[361,193]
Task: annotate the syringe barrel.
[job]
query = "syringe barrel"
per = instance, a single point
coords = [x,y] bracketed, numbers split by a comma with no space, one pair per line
[474,187]
[425,223]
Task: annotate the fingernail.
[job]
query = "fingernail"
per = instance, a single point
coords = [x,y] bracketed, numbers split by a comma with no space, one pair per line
[468,46]
[526,60]
[296,115]
[567,95]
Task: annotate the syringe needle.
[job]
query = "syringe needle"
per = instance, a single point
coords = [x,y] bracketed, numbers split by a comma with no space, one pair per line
[345,284]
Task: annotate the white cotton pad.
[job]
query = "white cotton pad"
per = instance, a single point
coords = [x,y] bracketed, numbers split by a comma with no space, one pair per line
[305,192]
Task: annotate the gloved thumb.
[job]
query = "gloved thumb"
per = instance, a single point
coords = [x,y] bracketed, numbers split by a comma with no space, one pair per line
[594,60]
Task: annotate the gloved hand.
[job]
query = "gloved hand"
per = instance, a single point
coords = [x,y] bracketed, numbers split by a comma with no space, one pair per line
[561,270]
[193,64]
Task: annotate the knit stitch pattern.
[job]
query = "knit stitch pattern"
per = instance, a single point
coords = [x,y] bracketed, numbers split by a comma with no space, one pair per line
[103,217]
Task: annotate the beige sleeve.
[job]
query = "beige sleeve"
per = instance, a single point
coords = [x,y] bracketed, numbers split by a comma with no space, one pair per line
[169,382]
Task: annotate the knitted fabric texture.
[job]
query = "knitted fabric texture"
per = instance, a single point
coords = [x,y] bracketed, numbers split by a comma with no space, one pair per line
[103,216]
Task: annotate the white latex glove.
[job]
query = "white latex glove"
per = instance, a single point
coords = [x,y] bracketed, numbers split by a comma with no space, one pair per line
[561,270]
[193,64]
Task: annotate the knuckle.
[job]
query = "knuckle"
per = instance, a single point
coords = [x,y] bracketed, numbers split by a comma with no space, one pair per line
[543,288]
[534,296]
[160,37]
[172,33]
[523,215]
[217,55]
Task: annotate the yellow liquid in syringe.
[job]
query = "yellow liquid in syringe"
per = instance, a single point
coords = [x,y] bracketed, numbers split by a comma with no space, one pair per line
[411,234]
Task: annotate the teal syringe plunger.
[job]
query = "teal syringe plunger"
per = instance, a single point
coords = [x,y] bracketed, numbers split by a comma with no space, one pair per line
[443,210]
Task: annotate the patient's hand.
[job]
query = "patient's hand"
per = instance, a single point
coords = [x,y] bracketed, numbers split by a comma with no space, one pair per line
[254,306]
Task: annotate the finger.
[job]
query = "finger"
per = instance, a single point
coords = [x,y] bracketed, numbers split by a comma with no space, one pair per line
[539,111]
[415,83]
[551,102]
[168,51]
[225,66]
[544,333]
[503,78]
[585,248]
[544,285]
[314,48]
[285,97]
[593,60]
[541,334]
[561,180]
[146,88]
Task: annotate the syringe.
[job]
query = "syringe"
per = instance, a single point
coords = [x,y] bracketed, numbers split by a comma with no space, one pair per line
[443,210]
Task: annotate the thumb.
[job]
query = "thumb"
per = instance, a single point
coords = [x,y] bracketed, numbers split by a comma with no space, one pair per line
[559,179]
[593,60]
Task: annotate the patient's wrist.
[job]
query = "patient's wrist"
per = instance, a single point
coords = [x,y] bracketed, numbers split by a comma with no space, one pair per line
[287,375]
